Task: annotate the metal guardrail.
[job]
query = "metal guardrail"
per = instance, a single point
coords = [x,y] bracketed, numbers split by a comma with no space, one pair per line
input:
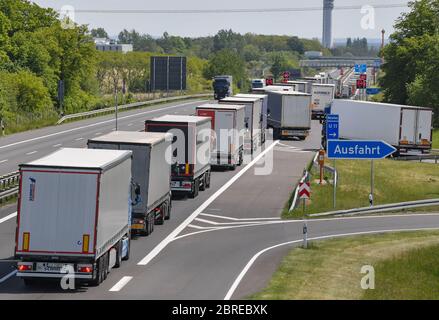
[306,175]
[419,158]
[9,185]
[129,106]
[381,208]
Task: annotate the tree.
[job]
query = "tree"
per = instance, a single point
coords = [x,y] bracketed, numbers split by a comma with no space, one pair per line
[278,65]
[226,62]
[227,39]
[295,44]
[411,58]
[99,33]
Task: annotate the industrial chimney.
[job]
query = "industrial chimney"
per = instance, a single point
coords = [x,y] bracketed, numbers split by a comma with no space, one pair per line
[328,6]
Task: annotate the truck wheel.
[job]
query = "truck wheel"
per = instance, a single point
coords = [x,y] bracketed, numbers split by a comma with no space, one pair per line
[105,270]
[118,255]
[161,220]
[128,252]
[203,186]
[97,281]
[208,179]
[168,210]
[196,189]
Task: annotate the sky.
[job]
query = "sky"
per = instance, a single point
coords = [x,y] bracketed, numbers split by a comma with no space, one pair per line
[346,23]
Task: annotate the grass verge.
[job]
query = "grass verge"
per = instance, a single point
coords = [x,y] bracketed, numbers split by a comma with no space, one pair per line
[395,181]
[406,267]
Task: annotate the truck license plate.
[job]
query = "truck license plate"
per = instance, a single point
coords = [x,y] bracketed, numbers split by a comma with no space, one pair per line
[51,267]
[175,184]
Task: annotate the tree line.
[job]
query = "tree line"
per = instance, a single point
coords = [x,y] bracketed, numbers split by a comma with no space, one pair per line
[412,58]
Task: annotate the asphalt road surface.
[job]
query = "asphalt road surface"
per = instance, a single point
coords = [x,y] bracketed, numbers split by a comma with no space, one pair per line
[215,246]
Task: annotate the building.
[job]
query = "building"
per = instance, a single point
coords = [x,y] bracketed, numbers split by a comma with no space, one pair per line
[103,44]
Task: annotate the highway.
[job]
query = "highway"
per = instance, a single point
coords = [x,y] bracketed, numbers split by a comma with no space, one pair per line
[213,246]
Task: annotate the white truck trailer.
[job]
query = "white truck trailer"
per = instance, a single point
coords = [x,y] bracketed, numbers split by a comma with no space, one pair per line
[301,86]
[190,171]
[289,114]
[264,98]
[74,211]
[151,174]
[266,89]
[405,127]
[322,96]
[253,121]
[228,131]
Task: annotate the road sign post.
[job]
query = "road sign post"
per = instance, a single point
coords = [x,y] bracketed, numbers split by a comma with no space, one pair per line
[360,150]
[333,133]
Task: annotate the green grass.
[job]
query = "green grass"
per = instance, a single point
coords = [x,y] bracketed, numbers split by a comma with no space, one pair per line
[436,139]
[395,181]
[406,267]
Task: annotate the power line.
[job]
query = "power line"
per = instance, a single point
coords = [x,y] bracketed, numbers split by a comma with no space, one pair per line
[252,10]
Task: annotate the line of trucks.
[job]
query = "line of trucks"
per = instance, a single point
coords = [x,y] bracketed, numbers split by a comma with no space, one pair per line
[79,209]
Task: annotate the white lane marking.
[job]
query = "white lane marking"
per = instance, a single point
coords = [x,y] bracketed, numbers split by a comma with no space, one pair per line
[8,217]
[32,152]
[3,161]
[94,125]
[237,219]
[287,146]
[98,133]
[130,124]
[257,255]
[200,209]
[79,139]
[202,228]
[207,229]
[57,145]
[122,283]
[8,276]
[227,223]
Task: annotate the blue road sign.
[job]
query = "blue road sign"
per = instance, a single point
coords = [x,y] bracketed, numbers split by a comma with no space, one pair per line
[361,149]
[360,68]
[332,126]
[372,91]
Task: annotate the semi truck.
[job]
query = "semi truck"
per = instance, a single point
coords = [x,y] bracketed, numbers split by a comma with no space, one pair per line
[258,83]
[222,87]
[322,96]
[289,114]
[228,131]
[190,170]
[407,128]
[264,99]
[253,121]
[151,174]
[73,217]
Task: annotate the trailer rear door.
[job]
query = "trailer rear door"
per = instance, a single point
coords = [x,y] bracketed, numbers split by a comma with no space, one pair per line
[224,123]
[57,212]
[423,135]
[408,126]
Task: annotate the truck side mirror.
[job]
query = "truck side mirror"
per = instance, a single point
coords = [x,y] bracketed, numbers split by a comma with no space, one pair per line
[268,113]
